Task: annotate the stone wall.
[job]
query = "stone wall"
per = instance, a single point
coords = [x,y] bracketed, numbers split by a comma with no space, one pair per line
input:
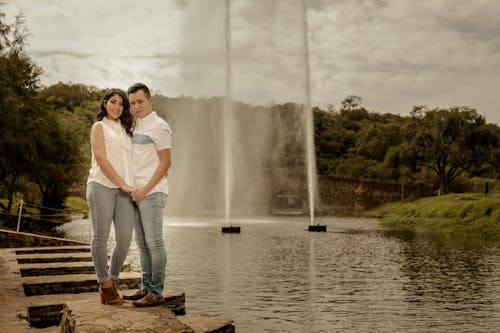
[342,195]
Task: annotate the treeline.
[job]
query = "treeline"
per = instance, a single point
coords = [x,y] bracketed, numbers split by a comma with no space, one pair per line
[44,149]
[433,145]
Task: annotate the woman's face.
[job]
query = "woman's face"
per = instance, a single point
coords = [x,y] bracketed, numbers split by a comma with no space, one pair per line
[114,107]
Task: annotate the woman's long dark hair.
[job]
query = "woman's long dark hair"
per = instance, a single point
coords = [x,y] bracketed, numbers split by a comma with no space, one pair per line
[126,119]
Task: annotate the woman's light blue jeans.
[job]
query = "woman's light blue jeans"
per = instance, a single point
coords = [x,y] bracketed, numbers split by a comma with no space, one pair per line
[109,205]
[149,237]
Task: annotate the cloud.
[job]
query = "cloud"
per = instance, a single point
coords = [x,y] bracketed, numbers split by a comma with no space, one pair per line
[392,53]
[397,53]
[53,53]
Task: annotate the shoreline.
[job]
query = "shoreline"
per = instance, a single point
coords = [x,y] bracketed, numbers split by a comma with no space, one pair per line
[466,215]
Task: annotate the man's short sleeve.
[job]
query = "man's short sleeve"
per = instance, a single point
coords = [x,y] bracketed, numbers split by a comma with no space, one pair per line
[162,136]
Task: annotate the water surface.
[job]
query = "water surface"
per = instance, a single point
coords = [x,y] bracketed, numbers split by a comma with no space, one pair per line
[358,277]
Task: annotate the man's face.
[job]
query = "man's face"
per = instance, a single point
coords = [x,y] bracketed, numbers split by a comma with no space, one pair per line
[140,105]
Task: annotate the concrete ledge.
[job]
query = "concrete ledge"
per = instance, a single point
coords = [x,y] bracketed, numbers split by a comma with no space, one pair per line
[57,264]
[22,239]
[73,283]
[208,324]
[54,249]
[82,311]
[52,257]
[89,317]
[45,316]
[174,300]
[62,270]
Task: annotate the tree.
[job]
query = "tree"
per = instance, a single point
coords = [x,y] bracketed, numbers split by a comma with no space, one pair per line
[374,140]
[18,87]
[57,160]
[38,141]
[447,141]
[353,110]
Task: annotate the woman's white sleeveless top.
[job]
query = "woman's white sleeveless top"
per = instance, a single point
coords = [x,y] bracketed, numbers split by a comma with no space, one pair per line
[118,152]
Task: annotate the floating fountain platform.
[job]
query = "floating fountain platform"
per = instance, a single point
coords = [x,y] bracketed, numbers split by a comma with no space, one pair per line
[317,227]
[231,230]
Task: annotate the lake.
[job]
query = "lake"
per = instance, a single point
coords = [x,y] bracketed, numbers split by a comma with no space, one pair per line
[358,277]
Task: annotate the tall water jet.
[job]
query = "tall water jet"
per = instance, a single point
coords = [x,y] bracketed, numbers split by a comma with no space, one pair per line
[228,124]
[310,151]
[262,144]
[228,161]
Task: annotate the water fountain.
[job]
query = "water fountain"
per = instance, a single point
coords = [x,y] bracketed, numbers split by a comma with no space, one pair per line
[228,125]
[234,159]
[312,185]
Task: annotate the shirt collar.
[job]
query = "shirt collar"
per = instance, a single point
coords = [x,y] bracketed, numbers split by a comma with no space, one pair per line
[148,118]
[111,122]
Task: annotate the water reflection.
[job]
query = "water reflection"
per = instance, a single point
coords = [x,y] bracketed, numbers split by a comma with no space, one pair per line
[277,277]
[453,278]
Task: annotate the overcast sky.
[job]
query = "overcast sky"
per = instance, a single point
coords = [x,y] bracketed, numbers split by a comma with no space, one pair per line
[392,53]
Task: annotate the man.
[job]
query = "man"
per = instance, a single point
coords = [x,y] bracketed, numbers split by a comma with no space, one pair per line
[151,143]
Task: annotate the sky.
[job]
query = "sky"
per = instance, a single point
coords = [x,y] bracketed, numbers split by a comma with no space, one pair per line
[394,54]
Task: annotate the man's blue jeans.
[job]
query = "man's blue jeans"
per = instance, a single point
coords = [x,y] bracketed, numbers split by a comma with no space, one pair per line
[109,205]
[149,237]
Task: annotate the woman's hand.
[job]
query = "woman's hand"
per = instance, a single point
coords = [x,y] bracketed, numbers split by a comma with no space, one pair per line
[139,194]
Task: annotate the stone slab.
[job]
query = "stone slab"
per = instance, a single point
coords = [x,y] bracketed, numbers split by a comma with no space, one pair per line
[53,249]
[92,318]
[13,239]
[13,303]
[84,311]
[174,300]
[52,257]
[73,283]
[61,270]
[203,324]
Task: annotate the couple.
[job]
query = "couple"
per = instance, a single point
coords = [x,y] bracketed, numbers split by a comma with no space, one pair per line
[127,185]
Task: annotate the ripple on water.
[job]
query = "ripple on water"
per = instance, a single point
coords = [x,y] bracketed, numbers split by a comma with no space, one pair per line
[277,277]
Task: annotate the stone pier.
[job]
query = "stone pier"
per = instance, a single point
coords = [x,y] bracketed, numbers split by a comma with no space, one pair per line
[54,289]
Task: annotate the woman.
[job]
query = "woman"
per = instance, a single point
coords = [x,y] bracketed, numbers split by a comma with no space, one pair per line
[108,190]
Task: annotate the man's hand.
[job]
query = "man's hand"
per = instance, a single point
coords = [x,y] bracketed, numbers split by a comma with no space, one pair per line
[139,194]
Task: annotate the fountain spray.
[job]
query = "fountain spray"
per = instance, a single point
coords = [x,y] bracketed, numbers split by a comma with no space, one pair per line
[228,124]
[312,186]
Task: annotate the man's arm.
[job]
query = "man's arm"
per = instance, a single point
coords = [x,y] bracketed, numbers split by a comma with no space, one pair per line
[160,172]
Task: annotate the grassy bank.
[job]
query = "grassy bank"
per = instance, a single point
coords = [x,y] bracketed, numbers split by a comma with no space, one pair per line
[77,205]
[463,215]
[73,205]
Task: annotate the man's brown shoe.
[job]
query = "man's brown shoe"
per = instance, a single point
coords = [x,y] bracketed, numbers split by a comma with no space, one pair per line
[134,297]
[150,300]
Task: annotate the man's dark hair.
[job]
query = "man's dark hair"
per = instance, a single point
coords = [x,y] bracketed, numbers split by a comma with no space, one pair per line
[139,86]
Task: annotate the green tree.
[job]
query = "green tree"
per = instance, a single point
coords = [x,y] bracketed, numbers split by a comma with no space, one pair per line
[70,96]
[40,141]
[374,140]
[18,88]
[57,158]
[450,142]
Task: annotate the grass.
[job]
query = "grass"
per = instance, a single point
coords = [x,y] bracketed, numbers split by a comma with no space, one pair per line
[74,204]
[77,204]
[470,215]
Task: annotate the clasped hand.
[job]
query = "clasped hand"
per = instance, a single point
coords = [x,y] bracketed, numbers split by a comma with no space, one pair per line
[137,194]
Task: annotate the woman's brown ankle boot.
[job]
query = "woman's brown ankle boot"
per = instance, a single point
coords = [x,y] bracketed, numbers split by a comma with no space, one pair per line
[115,283]
[109,296]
